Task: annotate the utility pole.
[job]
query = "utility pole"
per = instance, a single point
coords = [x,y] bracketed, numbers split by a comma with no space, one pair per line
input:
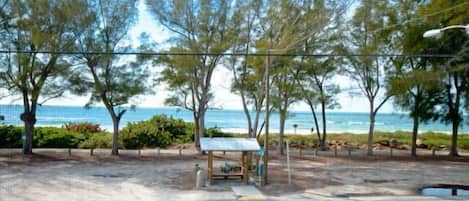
[267,115]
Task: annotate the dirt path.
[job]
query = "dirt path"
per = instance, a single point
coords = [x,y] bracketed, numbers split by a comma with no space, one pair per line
[55,176]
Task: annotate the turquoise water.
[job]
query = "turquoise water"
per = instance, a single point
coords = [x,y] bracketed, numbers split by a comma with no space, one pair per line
[227,120]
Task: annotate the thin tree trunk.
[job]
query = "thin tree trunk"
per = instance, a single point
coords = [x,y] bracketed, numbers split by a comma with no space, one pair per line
[256,123]
[415,131]
[196,130]
[251,133]
[371,129]
[201,129]
[115,136]
[454,139]
[323,140]
[282,131]
[29,119]
[454,112]
[28,142]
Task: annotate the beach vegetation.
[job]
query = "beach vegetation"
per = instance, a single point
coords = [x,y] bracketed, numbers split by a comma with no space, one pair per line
[82,127]
[248,72]
[282,24]
[98,140]
[368,35]
[159,131]
[217,132]
[113,80]
[316,74]
[453,71]
[415,86]
[10,136]
[51,137]
[403,140]
[198,26]
[35,78]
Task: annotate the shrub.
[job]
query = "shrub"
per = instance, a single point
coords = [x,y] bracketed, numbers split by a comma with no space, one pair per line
[216,132]
[10,137]
[50,137]
[177,128]
[98,140]
[159,131]
[82,127]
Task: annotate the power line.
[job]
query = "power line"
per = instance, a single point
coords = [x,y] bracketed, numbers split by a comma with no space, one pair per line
[224,54]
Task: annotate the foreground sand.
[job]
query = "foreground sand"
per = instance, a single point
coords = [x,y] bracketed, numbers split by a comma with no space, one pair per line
[53,175]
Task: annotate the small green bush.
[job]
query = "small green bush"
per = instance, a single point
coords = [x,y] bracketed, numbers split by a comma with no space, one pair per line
[216,132]
[177,128]
[463,141]
[159,131]
[82,127]
[97,140]
[10,137]
[144,134]
[51,137]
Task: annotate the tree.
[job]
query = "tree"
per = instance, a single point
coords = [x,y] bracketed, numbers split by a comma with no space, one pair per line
[285,91]
[43,26]
[368,35]
[111,79]
[316,88]
[200,27]
[316,74]
[282,32]
[248,72]
[416,87]
[453,71]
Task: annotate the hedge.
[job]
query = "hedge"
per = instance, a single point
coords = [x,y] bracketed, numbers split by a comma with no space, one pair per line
[159,131]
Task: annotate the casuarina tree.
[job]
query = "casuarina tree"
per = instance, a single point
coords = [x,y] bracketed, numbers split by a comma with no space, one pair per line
[110,79]
[30,27]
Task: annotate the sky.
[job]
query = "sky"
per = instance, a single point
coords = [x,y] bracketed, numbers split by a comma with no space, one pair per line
[223,98]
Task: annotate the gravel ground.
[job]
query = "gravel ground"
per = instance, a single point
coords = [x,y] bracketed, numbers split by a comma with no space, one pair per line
[53,175]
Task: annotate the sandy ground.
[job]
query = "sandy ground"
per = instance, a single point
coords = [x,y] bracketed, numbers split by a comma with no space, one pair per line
[53,175]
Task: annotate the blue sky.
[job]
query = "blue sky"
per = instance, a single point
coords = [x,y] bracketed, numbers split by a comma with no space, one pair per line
[221,88]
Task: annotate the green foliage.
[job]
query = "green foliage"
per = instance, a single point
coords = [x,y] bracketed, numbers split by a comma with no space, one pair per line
[51,137]
[10,137]
[110,79]
[82,127]
[36,26]
[216,132]
[98,140]
[159,131]
[144,134]
[402,138]
[198,26]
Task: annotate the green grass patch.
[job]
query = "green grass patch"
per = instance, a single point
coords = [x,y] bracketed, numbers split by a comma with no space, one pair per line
[401,137]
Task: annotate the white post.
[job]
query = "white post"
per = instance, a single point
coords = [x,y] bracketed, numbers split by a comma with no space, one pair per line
[288,161]
[198,179]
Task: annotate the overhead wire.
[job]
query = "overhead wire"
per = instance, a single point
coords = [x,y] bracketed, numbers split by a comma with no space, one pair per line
[224,54]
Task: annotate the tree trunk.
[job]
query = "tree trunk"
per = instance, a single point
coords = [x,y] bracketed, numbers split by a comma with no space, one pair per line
[283,117]
[201,130]
[28,142]
[29,120]
[415,131]
[196,132]
[370,131]
[251,132]
[115,136]
[454,139]
[256,122]
[323,140]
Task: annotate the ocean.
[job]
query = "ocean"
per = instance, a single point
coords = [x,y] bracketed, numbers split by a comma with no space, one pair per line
[226,120]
